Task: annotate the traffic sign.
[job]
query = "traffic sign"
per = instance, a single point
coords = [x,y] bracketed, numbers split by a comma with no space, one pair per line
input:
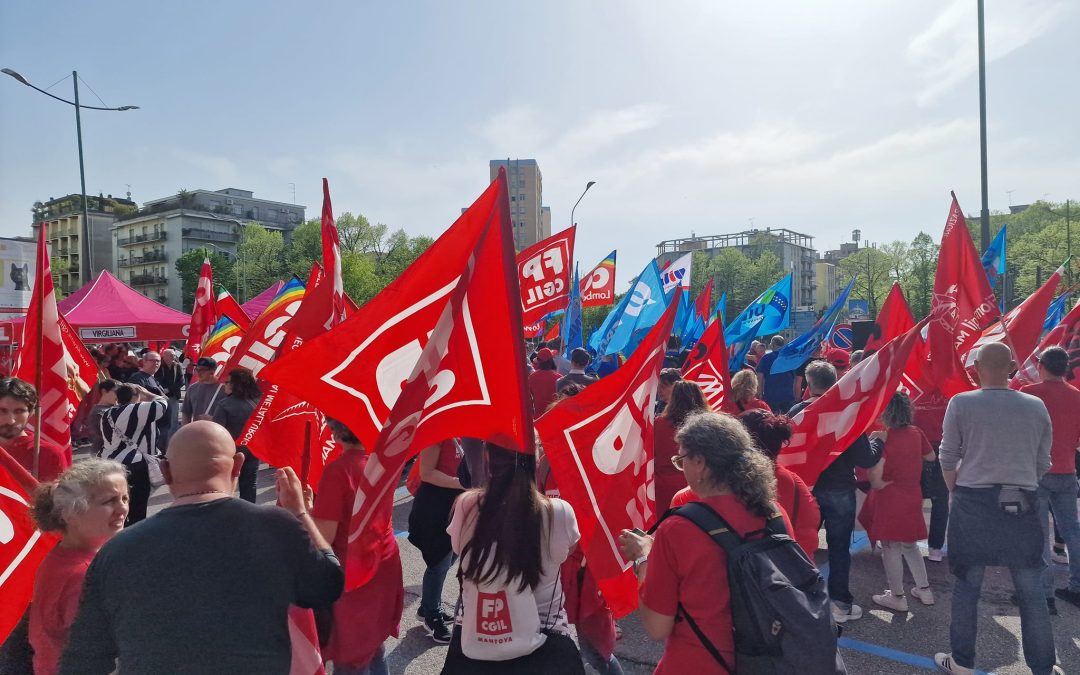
[843,337]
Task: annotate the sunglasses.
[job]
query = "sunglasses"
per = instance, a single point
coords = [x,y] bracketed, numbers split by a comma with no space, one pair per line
[677,461]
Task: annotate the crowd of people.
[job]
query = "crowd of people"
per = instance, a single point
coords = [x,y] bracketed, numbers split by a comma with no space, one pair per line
[206,585]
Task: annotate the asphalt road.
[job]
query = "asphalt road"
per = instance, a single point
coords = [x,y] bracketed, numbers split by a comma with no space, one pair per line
[882,642]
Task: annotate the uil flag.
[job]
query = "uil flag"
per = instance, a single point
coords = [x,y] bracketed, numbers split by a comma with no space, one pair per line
[600,446]
[893,320]
[228,306]
[707,365]
[825,428]
[802,348]
[677,274]
[544,275]
[47,365]
[1023,323]
[1065,335]
[222,341]
[22,546]
[437,354]
[598,286]
[639,311]
[266,335]
[203,314]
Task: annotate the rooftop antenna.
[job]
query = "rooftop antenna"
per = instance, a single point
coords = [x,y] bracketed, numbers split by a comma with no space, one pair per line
[129,191]
[293,185]
[1009,192]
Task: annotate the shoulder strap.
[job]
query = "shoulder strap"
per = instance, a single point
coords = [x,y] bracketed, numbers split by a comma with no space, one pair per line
[711,523]
[705,642]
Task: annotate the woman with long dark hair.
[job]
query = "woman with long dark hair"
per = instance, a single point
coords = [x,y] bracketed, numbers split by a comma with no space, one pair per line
[686,398]
[682,571]
[512,541]
[233,413]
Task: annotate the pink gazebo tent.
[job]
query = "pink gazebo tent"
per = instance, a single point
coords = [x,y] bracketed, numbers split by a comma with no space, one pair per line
[255,306]
[108,310]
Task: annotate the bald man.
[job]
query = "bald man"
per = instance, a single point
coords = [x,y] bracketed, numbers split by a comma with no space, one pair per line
[995,447]
[205,585]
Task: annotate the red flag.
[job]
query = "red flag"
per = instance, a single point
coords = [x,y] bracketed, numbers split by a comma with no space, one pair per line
[356,373]
[222,341]
[1022,325]
[82,370]
[600,447]
[893,320]
[226,305]
[531,330]
[1065,335]
[598,286]
[831,423]
[553,332]
[266,335]
[544,275]
[703,304]
[962,306]
[327,300]
[707,365]
[283,424]
[46,366]
[203,314]
[304,638]
[22,546]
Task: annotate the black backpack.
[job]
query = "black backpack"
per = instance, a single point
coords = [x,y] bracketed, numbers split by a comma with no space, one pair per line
[779,601]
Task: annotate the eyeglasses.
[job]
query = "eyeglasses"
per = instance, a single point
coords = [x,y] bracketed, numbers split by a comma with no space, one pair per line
[677,461]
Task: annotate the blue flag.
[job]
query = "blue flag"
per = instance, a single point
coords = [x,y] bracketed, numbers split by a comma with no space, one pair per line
[993,260]
[571,328]
[738,345]
[1055,312]
[770,312]
[721,310]
[632,318]
[798,351]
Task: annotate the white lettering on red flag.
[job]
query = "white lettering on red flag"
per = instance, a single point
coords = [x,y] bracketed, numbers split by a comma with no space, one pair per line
[544,275]
[707,365]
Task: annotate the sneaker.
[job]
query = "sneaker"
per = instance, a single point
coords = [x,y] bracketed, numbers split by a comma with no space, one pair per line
[923,595]
[1068,595]
[445,616]
[841,615]
[946,665]
[1060,556]
[935,555]
[890,601]
[1051,605]
[438,631]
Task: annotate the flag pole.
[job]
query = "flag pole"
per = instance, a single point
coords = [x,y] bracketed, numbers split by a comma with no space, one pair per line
[39,347]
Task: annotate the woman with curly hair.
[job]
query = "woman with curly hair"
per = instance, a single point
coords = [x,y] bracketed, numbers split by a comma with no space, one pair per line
[685,399]
[233,413]
[681,570]
[771,433]
[744,394]
[86,505]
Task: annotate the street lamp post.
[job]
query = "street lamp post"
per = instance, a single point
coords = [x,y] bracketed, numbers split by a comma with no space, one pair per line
[587,186]
[86,262]
[984,220]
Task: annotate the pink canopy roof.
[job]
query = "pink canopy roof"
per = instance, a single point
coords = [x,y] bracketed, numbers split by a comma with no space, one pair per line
[255,306]
[108,310]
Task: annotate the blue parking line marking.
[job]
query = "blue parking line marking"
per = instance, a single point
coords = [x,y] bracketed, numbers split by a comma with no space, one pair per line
[893,654]
[401,533]
[400,492]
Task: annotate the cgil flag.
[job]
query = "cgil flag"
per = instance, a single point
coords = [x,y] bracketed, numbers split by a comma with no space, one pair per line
[801,349]
[893,320]
[1065,335]
[203,313]
[600,447]
[544,275]
[267,333]
[707,365]
[598,286]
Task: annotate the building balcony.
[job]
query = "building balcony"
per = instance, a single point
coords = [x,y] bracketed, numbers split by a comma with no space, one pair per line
[152,257]
[141,238]
[209,235]
[148,280]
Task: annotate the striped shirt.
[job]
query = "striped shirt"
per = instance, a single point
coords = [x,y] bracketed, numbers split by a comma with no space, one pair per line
[129,431]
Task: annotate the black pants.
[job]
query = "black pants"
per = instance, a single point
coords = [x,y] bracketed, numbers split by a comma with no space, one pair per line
[939,521]
[139,490]
[249,474]
[558,654]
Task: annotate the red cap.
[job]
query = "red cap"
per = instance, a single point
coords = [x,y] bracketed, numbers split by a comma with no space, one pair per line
[838,357]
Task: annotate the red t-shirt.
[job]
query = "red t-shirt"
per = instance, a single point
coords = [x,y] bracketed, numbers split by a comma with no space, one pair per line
[1062,401]
[542,387]
[57,589]
[669,480]
[737,408]
[51,462]
[687,566]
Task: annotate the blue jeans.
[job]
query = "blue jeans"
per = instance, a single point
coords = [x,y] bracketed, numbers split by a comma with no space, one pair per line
[432,587]
[1057,492]
[838,512]
[376,667]
[594,659]
[939,521]
[1035,629]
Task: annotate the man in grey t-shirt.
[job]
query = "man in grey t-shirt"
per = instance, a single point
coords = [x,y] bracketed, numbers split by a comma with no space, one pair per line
[994,449]
[202,396]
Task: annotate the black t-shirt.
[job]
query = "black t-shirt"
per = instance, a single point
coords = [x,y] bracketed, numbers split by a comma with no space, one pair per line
[840,475]
[200,588]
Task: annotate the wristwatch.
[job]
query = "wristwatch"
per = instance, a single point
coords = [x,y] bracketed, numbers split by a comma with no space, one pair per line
[640,561]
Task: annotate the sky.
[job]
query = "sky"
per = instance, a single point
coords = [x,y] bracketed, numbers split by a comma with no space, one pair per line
[698,117]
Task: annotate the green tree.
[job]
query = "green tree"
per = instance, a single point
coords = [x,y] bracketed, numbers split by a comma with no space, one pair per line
[875,268]
[260,260]
[189,266]
[918,284]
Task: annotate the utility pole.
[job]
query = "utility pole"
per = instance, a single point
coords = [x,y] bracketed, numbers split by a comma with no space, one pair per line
[85,263]
[984,230]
